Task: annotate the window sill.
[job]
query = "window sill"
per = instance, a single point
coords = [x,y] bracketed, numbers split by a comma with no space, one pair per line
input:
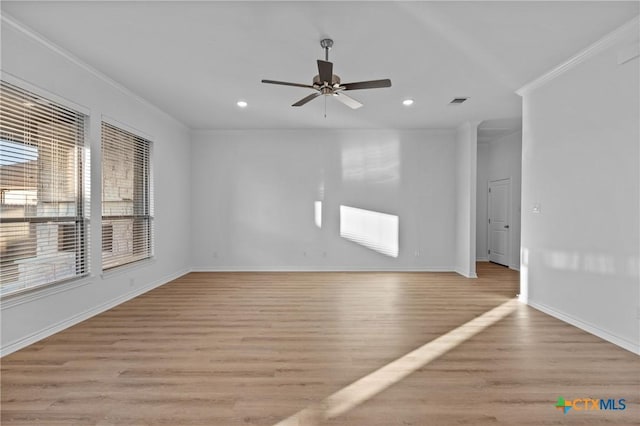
[26,295]
[128,267]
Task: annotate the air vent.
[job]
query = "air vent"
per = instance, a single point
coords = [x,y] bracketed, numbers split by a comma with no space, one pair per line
[456,101]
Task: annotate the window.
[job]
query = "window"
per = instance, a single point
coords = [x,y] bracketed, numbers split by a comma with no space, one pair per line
[66,242]
[43,207]
[107,238]
[126,198]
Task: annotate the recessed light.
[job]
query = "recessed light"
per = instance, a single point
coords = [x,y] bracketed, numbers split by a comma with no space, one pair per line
[242,104]
[407,102]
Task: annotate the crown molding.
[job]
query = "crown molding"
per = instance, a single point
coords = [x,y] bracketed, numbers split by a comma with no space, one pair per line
[625,32]
[34,35]
[44,93]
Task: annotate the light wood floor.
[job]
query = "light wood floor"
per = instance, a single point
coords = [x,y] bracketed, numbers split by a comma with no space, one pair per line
[255,348]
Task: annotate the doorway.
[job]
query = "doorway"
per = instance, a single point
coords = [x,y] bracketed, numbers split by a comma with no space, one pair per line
[499,227]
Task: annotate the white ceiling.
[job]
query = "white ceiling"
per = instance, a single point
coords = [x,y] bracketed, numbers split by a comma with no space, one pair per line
[490,130]
[196,59]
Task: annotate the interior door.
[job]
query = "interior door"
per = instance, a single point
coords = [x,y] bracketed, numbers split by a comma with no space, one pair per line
[499,193]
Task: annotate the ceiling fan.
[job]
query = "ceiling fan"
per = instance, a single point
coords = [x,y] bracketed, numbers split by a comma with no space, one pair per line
[327,83]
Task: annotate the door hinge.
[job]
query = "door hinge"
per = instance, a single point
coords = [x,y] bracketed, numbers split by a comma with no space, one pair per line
[489,189]
[489,220]
[489,251]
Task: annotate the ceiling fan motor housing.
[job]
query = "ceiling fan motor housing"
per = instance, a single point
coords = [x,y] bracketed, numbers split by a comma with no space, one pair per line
[320,85]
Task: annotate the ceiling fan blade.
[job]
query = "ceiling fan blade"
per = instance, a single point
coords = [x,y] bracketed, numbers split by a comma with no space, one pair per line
[373,84]
[348,101]
[307,99]
[284,83]
[325,71]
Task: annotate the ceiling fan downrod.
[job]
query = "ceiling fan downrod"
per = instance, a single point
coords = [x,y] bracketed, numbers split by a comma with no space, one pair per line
[326,44]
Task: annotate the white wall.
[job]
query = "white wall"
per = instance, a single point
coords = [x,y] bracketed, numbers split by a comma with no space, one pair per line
[254,194]
[465,210]
[500,159]
[581,167]
[30,317]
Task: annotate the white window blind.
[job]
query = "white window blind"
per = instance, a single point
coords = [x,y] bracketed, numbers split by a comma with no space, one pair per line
[127,211]
[43,191]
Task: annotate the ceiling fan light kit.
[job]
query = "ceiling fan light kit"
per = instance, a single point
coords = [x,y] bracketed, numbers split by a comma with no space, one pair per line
[329,84]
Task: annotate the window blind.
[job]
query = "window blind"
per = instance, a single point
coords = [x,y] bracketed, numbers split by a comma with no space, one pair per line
[127,211]
[43,206]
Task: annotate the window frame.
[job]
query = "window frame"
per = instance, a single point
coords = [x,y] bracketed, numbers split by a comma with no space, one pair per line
[82,198]
[147,215]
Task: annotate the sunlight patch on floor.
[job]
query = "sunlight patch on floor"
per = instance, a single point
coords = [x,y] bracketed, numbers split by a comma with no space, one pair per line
[367,387]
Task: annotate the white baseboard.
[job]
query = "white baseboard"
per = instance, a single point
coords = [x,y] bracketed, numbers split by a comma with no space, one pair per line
[82,316]
[514,267]
[317,269]
[482,259]
[465,274]
[589,328]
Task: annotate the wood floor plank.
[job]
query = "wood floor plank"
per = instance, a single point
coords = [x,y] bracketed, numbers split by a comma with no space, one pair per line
[256,348]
